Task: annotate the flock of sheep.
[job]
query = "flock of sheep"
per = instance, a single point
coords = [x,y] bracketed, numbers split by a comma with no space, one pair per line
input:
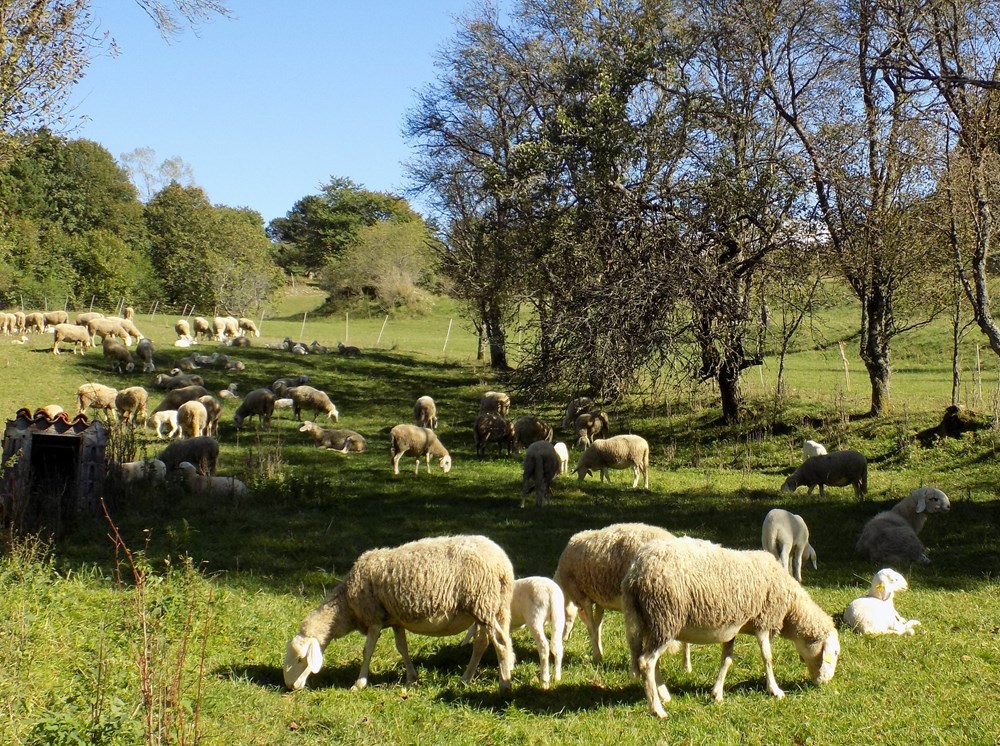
[673,591]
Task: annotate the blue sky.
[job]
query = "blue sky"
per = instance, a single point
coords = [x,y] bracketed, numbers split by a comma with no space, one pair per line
[267,107]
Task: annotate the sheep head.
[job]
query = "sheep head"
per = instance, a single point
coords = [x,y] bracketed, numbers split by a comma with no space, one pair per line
[885,583]
[445,463]
[303,656]
[820,656]
[931,500]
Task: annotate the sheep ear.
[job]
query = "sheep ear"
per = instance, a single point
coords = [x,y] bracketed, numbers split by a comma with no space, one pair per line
[921,505]
[314,656]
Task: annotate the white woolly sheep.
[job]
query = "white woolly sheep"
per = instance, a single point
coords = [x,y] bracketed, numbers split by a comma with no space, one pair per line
[129,313]
[192,418]
[247,325]
[118,355]
[589,425]
[19,321]
[528,429]
[490,426]
[34,322]
[417,441]
[619,452]
[259,403]
[203,484]
[786,536]
[183,330]
[166,417]
[575,408]
[225,326]
[875,614]
[106,328]
[346,350]
[144,351]
[425,412]
[71,333]
[97,396]
[812,448]
[496,402]
[312,399]
[203,452]
[541,464]
[213,408]
[701,593]
[335,440]
[131,404]
[891,536]
[52,318]
[563,451]
[176,397]
[837,469]
[229,392]
[144,470]
[128,325]
[201,327]
[283,403]
[83,318]
[436,586]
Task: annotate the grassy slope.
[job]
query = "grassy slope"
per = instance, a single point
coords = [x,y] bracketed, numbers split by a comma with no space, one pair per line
[271,558]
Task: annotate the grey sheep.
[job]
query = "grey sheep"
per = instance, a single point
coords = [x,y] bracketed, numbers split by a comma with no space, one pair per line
[436,586]
[528,429]
[619,452]
[347,350]
[492,427]
[144,351]
[890,537]
[575,408]
[202,451]
[335,440]
[425,412]
[417,441]
[279,385]
[588,426]
[176,397]
[313,400]
[541,464]
[259,403]
[698,592]
[131,404]
[170,382]
[837,469]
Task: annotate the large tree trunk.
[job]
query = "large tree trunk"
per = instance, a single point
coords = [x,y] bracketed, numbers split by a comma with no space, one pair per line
[729,391]
[876,347]
[498,339]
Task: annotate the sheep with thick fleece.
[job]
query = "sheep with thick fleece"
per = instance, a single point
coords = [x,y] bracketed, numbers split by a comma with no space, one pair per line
[128,325]
[575,408]
[619,452]
[417,441]
[563,452]
[183,330]
[529,429]
[192,418]
[435,586]
[176,397]
[171,382]
[34,322]
[812,448]
[78,336]
[891,536]
[208,485]
[589,425]
[82,318]
[490,426]
[701,593]
[201,327]
[131,404]
[258,403]
[425,412]
[335,440]
[875,614]
[495,401]
[118,355]
[312,399]
[97,396]
[213,410]
[786,536]
[143,470]
[105,328]
[837,469]
[202,451]
[166,417]
[591,569]
[541,464]
[52,318]
[247,325]
[280,385]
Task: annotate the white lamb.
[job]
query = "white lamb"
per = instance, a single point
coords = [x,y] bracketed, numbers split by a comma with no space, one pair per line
[168,418]
[891,536]
[619,452]
[204,484]
[701,593]
[786,536]
[152,470]
[812,448]
[563,452]
[875,614]
[436,586]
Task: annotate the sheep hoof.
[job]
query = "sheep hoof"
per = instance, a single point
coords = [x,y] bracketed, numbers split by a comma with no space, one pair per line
[359,685]
[717,694]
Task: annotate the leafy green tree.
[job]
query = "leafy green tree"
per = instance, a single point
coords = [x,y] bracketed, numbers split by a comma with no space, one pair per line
[243,270]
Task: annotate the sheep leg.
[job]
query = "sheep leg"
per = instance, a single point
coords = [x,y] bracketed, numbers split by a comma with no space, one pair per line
[536,626]
[635,476]
[596,642]
[500,637]
[764,639]
[785,559]
[557,653]
[373,632]
[797,574]
[571,611]
[404,653]
[687,657]
[479,643]
[656,691]
[727,662]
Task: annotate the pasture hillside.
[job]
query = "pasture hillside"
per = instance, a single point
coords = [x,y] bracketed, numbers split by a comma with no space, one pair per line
[188,645]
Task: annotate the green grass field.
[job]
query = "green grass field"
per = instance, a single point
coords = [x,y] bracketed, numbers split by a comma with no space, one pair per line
[225,583]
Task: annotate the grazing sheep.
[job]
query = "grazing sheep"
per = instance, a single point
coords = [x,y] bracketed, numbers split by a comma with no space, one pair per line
[837,469]
[97,396]
[335,440]
[131,404]
[105,328]
[193,419]
[144,470]
[875,614]
[213,410]
[786,536]
[575,408]
[118,355]
[312,399]
[346,350]
[201,327]
[53,318]
[435,586]
[19,317]
[698,592]
[280,385]
[77,335]
[811,448]
[204,484]
[591,569]
[490,426]
[496,402]
[528,429]
[34,322]
[171,382]
[259,403]
[165,417]
[417,441]
[128,325]
[176,397]
[588,426]
[183,330]
[563,453]
[247,325]
[619,452]
[891,536]
[425,412]
[225,326]
[541,464]
[83,318]
[202,451]
[144,351]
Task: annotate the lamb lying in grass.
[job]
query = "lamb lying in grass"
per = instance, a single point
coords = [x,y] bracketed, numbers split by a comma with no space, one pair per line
[334,440]
[875,614]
